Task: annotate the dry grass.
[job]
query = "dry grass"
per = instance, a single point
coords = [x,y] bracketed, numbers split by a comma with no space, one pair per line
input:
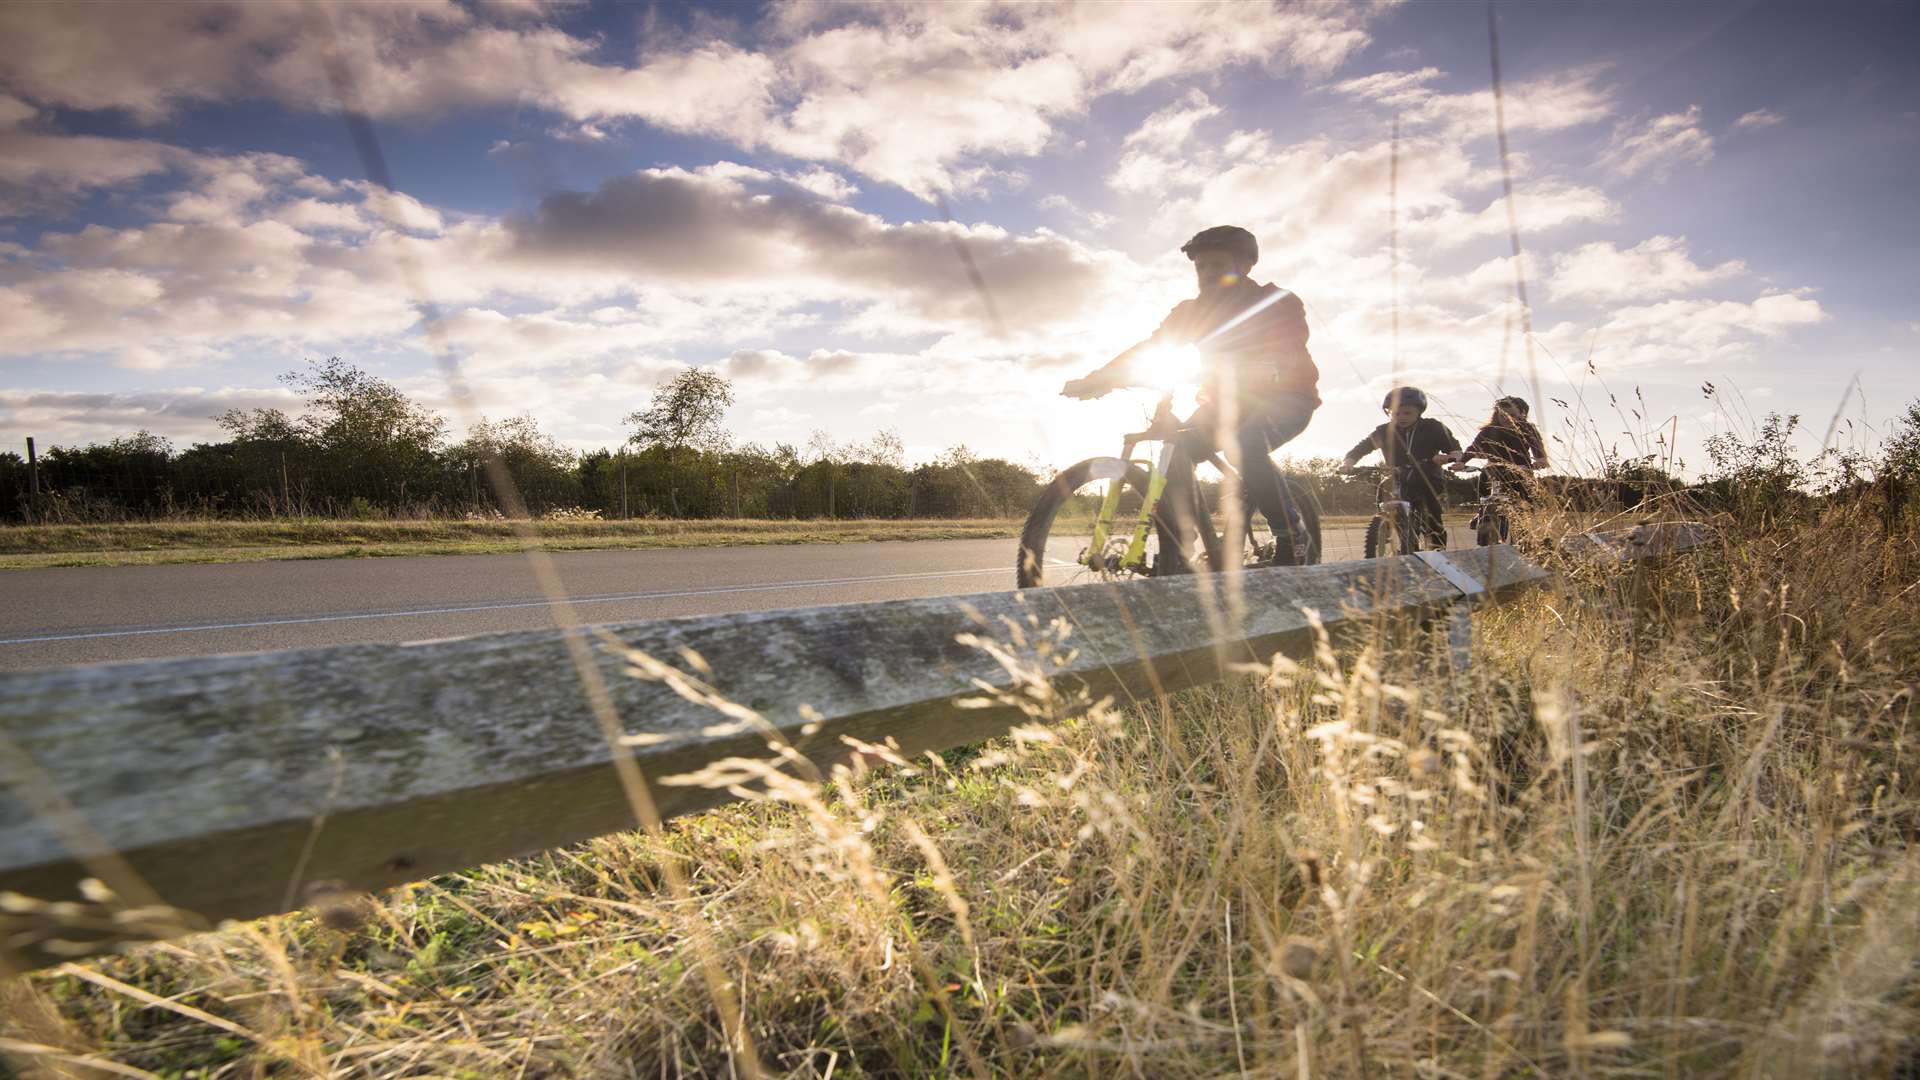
[1661,828]
[140,543]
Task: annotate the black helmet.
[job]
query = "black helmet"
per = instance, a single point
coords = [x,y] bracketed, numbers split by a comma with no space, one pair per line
[1231,239]
[1404,395]
[1514,405]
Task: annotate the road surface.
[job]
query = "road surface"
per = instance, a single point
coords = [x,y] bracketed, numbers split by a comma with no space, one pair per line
[79,615]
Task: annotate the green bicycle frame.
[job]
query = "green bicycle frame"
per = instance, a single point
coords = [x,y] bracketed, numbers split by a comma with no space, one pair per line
[1135,557]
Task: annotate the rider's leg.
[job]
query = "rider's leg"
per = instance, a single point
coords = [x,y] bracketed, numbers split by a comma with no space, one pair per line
[1173,516]
[1262,485]
[1427,511]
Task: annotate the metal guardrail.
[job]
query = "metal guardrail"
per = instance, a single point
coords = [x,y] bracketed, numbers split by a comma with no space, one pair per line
[236,786]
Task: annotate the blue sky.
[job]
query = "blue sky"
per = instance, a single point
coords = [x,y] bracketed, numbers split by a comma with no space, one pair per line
[594,196]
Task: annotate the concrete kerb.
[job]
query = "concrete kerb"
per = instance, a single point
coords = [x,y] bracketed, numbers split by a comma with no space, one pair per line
[237,786]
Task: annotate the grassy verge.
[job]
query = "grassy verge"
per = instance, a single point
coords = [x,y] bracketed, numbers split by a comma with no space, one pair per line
[146,543]
[1660,827]
[142,543]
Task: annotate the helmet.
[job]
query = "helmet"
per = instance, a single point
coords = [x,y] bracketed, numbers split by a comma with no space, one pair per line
[1232,239]
[1514,405]
[1404,395]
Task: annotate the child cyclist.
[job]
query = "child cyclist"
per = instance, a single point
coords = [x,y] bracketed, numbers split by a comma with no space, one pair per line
[1511,447]
[1253,340]
[1416,446]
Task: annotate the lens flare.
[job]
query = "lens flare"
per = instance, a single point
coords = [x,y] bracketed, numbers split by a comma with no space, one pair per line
[1172,367]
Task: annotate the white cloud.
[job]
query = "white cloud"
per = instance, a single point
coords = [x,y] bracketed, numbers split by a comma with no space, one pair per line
[1657,266]
[1688,332]
[711,228]
[1757,119]
[1660,145]
[1151,160]
[65,417]
[1547,104]
[42,170]
[919,95]
[822,182]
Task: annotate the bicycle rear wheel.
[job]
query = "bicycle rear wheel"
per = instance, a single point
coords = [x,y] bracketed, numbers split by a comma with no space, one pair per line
[1059,531]
[1264,546]
[1491,527]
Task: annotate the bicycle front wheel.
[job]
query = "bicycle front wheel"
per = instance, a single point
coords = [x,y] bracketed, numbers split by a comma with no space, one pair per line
[1056,543]
[1391,533]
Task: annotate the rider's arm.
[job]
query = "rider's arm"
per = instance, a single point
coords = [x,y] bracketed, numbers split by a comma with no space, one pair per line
[1110,376]
[1449,446]
[1537,446]
[1118,372]
[1361,449]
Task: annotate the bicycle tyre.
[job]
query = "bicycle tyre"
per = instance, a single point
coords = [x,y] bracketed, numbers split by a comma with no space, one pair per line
[1491,528]
[1308,506]
[1030,567]
[1390,536]
[1409,539]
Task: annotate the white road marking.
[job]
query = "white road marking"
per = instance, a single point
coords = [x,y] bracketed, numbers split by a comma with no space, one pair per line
[611,599]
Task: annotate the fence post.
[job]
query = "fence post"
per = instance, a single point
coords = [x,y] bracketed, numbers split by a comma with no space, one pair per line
[33,483]
[623,487]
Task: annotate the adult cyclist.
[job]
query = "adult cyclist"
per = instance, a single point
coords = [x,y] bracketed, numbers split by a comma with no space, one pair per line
[1415,446]
[1252,339]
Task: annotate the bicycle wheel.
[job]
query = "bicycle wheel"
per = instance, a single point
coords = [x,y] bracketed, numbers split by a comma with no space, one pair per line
[1491,527]
[1263,547]
[1054,542]
[1391,534]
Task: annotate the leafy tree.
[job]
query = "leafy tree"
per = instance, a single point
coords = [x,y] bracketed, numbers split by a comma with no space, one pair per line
[541,469]
[686,412]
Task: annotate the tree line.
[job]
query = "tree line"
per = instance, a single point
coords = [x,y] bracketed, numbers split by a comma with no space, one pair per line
[360,448]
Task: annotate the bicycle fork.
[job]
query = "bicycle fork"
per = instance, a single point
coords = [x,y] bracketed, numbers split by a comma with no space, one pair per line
[1135,556]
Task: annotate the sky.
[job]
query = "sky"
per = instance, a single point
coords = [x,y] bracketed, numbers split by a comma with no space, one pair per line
[1716,205]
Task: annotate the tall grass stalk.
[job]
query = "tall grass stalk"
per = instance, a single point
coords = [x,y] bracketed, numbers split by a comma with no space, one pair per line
[1661,826]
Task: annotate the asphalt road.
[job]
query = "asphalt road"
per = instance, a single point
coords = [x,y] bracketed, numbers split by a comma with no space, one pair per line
[89,614]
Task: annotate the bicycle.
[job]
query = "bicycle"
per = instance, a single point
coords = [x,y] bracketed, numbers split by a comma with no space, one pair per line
[1394,528]
[1074,514]
[1492,519]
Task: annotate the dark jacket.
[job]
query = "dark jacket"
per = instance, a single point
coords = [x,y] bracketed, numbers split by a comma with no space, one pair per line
[1504,444]
[1266,350]
[1416,447]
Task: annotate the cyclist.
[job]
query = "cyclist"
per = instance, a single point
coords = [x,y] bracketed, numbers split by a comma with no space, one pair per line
[1252,338]
[1416,447]
[1512,448]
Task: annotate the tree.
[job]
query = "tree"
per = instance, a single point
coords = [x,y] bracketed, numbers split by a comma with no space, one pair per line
[686,413]
[541,469]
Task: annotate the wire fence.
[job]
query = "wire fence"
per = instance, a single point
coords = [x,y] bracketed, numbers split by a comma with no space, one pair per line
[141,478]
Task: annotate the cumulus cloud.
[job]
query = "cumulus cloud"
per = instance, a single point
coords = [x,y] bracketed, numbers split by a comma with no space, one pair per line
[711,227]
[1689,332]
[1657,266]
[67,417]
[1317,198]
[1757,119]
[1658,146]
[1552,103]
[918,95]
[42,170]
[1151,158]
